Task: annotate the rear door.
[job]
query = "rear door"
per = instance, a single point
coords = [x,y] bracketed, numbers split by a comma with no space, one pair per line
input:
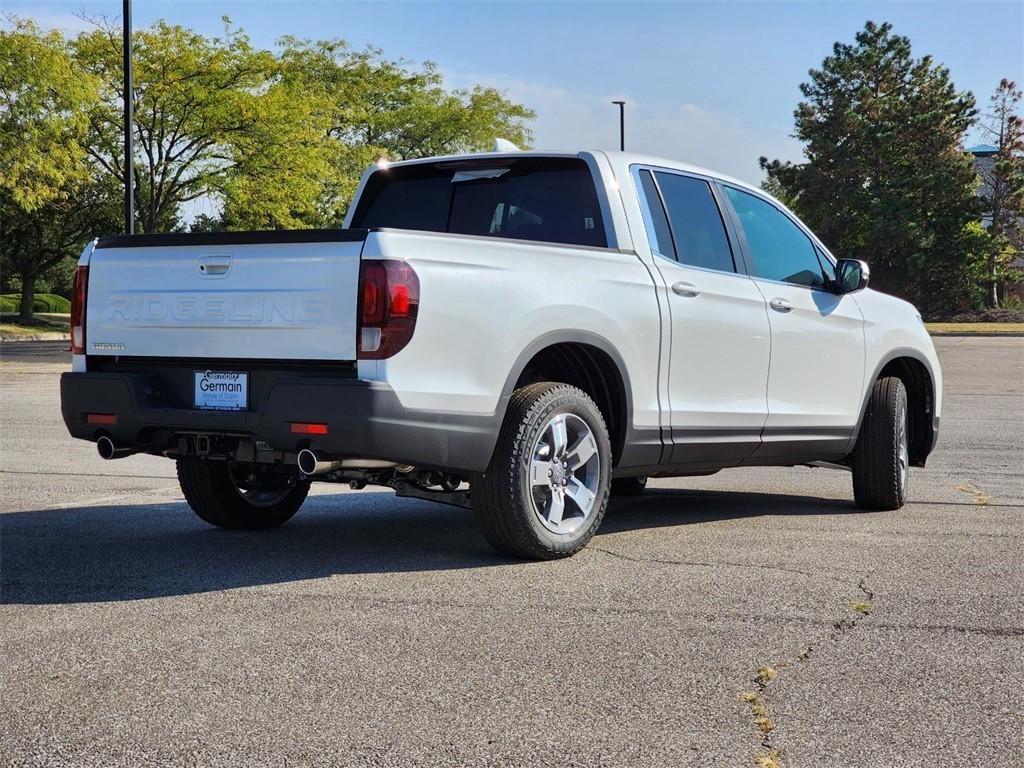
[817,357]
[720,338]
[268,295]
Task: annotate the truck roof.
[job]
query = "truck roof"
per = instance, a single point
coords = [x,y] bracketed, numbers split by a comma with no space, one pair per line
[615,157]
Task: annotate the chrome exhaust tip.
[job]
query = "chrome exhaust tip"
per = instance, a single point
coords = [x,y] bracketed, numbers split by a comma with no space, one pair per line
[311,464]
[107,450]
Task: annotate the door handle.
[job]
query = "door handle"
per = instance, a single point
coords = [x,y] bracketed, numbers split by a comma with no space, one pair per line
[780,305]
[683,288]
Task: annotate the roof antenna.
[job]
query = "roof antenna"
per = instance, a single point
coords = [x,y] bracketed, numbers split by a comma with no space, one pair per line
[504,145]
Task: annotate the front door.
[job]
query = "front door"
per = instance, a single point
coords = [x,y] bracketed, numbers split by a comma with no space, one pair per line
[818,348]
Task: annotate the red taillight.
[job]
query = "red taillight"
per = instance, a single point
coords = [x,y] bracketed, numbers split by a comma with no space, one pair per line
[400,300]
[373,281]
[299,428]
[79,290]
[110,419]
[389,298]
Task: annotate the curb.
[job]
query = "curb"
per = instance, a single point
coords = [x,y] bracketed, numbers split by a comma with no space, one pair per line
[36,337]
[985,334]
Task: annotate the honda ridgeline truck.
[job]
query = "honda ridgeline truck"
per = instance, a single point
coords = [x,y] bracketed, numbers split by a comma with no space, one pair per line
[521,333]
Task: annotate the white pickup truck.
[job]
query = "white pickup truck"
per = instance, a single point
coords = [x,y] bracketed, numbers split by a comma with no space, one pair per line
[520,333]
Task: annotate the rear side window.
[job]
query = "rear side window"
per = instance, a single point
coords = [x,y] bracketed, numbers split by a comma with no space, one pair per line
[661,235]
[694,221]
[778,247]
[545,199]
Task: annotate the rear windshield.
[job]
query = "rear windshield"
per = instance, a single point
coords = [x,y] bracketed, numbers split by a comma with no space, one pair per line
[547,199]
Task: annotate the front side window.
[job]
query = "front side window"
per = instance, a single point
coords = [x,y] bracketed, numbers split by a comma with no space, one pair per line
[545,199]
[779,250]
[828,269]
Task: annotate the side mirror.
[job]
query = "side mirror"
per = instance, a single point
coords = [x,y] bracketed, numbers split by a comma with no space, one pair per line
[851,275]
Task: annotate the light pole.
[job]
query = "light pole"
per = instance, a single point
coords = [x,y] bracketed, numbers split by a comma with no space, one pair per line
[129,184]
[622,124]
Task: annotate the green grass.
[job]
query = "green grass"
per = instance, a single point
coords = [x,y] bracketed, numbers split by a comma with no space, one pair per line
[46,323]
[44,302]
[968,328]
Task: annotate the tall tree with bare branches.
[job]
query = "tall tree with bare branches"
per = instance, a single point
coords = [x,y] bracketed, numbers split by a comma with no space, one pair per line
[1003,187]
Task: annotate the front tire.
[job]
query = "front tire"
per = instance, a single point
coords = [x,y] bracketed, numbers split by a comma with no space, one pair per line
[245,497]
[546,489]
[881,457]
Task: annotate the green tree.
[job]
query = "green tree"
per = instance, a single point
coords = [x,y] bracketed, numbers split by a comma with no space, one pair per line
[34,243]
[773,187]
[44,169]
[205,109]
[280,139]
[1003,187]
[42,114]
[367,107]
[885,178]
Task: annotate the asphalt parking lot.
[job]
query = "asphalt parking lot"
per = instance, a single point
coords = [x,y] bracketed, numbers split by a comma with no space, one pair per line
[378,631]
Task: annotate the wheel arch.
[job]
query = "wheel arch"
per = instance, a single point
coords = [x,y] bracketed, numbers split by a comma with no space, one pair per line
[915,371]
[585,360]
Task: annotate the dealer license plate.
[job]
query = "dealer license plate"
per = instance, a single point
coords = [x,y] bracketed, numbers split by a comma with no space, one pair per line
[222,390]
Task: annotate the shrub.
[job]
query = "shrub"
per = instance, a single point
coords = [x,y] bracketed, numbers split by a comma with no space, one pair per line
[52,303]
[982,316]
[44,302]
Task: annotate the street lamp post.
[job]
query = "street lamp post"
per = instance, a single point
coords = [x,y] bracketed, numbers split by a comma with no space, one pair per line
[129,184]
[622,124]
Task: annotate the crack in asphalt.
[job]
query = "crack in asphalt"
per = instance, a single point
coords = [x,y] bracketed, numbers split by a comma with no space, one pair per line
[962,504]
[771,756]
[720,564]
[961,628]
[981,498]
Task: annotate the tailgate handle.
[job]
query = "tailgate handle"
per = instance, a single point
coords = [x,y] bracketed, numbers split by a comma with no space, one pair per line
[214,265]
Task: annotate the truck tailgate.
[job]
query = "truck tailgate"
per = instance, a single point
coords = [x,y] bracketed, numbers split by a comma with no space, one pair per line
[290,297]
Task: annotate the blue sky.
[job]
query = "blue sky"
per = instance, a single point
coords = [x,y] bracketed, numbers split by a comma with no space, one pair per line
[710,83]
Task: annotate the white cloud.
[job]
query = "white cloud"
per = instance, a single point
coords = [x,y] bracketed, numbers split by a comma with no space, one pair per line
[687,132]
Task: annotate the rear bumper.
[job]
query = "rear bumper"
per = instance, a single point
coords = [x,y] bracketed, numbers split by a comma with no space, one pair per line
[365,419]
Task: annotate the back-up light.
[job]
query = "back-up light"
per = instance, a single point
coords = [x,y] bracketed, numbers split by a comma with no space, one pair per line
[389,298]
[79,290]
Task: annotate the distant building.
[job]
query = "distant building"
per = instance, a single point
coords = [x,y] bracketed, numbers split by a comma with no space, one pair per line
[984,164]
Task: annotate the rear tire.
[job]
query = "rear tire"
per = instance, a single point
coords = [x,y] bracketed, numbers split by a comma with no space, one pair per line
[239,496]
[546,489]
[881,457]
[628,486]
